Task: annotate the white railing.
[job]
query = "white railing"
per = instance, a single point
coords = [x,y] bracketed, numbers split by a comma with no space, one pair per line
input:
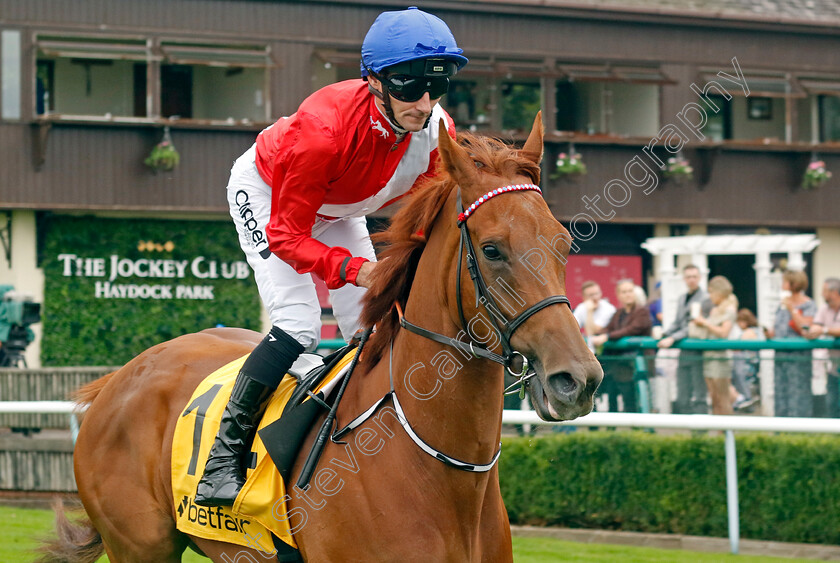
[697,422]
[38,407]
[626,420]
[686,422]
[69,408]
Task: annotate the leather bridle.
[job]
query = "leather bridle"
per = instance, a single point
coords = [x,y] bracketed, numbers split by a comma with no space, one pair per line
[504,328]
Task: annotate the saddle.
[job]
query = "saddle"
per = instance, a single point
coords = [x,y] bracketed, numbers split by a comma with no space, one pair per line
[284,436]
[259,518]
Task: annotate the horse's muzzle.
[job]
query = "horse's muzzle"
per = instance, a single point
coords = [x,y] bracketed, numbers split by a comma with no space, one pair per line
[565,395]
[564,387]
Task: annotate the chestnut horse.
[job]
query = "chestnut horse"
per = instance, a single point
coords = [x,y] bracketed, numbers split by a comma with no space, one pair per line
[478,289]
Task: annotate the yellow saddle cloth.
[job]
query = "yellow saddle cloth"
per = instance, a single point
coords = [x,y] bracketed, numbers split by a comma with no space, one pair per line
[260,509]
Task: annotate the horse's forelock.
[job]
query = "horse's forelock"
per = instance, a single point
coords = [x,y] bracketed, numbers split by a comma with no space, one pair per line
[497,158]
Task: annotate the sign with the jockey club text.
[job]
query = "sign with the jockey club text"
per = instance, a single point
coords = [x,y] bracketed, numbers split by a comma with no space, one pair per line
[115,286]
[119,277]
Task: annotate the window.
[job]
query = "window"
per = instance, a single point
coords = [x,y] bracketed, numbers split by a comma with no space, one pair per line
[493,104]
[83,76]
[760,116]
[496,95]
[819,112]
[207,82]
[108,78]
[778,105]
[719,123]
[330,66]
[829,107]
[521,100]
[10,74]
[502,95]
[470,102]
[609,100]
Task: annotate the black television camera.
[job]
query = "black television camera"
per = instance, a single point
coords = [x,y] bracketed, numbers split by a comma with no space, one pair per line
[17,313]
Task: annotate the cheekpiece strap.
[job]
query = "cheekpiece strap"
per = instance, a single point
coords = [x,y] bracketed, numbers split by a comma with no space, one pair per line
[464,215]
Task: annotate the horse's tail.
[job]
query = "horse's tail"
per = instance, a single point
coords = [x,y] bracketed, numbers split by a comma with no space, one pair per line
[87,393]
[76,542]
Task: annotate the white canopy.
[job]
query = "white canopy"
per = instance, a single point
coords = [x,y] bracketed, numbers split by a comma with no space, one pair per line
[699,247]
[730,244]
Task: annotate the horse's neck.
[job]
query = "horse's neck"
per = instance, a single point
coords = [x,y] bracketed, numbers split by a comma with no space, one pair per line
[447,396]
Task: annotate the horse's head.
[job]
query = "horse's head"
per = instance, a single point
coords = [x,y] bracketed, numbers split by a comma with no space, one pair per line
[520,250]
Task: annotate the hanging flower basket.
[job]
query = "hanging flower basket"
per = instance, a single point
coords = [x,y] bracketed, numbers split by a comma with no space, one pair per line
[678,169]
[569,166]
[815,175]
[164,157]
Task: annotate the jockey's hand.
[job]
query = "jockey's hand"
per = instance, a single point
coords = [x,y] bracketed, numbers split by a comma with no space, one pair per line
[363,278]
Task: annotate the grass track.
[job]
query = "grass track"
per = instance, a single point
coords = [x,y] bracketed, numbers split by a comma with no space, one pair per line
[21,528]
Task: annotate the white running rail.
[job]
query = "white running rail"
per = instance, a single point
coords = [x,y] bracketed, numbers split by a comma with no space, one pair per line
[69,408]
[728,424]
[697,422]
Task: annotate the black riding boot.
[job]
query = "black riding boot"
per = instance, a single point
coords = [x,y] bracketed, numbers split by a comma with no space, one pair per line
[265,367]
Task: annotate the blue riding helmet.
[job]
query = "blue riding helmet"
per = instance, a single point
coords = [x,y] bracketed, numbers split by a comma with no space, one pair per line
[408,35]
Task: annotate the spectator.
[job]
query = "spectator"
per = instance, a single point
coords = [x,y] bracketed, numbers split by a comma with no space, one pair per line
[745,363]
[594,312]
[642,301]
[792,369]
[717,364]
[691,387]
[655,304]
[632,319]
[641,296]
[827,323]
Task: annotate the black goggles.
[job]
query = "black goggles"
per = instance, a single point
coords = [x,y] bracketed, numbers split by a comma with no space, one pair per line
[406,88]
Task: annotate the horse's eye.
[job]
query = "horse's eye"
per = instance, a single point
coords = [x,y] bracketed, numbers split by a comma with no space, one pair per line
[491,252]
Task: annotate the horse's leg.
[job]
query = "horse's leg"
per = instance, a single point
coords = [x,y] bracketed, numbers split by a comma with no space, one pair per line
[122,476]
[494,526]
[143,537]
[219,552]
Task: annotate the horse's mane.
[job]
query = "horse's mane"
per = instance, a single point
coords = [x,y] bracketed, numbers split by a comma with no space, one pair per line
[404,240]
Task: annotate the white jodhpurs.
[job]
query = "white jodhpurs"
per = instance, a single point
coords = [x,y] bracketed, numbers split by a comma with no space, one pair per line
[289,297]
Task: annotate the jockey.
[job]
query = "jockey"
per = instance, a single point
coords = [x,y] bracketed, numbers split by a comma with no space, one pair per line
[299,197]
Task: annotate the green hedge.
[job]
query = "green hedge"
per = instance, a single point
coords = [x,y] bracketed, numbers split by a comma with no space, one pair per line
[789,485]
[80,329]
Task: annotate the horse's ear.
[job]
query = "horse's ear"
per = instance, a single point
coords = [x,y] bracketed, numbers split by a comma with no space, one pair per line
[455,159]
[533,147]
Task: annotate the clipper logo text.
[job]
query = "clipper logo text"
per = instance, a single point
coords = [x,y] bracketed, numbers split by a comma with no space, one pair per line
[249,223]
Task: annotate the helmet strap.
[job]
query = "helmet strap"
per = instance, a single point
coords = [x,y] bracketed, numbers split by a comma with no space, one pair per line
[389,111]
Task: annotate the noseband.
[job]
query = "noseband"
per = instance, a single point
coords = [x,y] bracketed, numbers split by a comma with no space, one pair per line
[504,328]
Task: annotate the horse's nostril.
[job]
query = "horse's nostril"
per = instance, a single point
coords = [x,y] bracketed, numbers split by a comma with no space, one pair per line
[563,385]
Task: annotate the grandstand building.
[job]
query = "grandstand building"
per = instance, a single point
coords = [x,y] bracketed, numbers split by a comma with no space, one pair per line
[747,93]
